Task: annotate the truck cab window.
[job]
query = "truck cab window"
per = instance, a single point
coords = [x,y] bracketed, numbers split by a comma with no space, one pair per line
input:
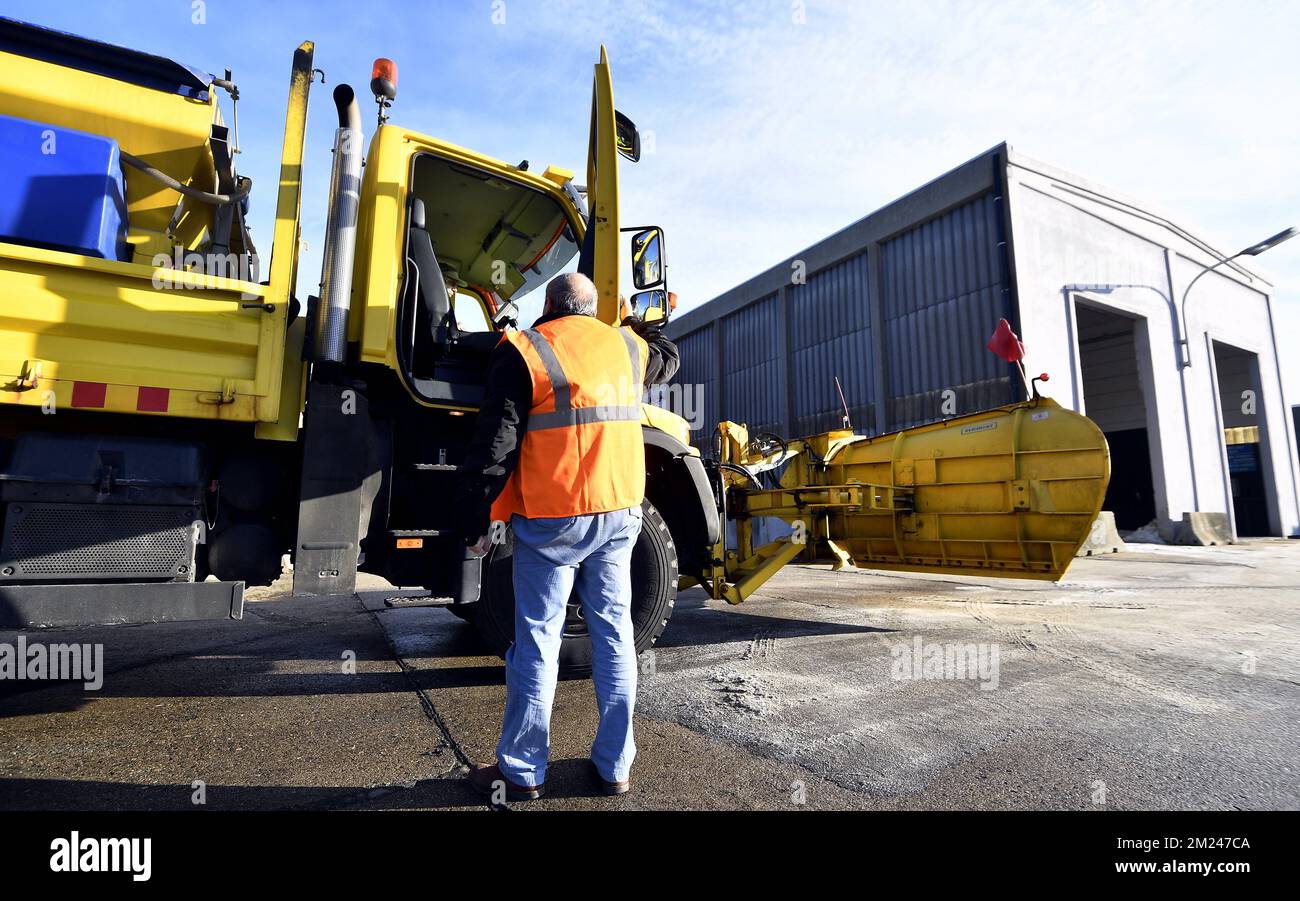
[470,315]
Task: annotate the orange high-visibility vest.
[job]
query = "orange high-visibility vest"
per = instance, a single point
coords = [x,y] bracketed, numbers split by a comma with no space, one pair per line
[582,451]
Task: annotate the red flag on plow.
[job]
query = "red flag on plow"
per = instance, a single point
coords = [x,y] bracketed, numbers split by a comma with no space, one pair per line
[1006,344]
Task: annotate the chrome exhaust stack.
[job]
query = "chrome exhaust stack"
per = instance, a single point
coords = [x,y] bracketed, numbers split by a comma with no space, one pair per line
[330,323]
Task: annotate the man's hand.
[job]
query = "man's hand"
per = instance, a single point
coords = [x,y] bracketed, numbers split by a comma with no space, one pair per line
[646,330]
[480,547]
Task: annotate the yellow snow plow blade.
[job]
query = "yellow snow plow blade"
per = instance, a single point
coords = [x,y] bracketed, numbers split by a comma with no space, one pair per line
[1009,492]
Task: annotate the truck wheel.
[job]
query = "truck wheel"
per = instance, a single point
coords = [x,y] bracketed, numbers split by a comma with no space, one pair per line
[654,590]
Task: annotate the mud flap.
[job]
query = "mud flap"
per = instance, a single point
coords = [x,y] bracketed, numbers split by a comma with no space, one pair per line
[335,437]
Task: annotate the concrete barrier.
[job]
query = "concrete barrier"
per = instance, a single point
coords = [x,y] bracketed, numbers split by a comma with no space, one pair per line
[1103,537]
[1203,529]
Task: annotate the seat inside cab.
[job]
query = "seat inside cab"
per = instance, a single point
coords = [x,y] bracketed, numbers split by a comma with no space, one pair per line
[475,240]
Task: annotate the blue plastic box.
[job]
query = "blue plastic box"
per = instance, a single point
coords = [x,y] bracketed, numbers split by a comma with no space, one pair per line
[61,188]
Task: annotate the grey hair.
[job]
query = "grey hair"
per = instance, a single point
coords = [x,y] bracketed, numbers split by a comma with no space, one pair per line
[571,292]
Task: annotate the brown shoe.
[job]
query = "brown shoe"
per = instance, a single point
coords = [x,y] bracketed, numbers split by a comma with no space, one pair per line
[610,788]
[486,779]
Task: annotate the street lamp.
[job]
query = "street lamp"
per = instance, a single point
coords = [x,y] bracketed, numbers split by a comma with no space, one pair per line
[1268,243]
[1253,250]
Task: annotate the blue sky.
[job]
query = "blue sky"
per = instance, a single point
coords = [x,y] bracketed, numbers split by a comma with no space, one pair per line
[773,124]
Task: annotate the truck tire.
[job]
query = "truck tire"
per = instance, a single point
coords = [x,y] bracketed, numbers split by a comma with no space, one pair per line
[654,591]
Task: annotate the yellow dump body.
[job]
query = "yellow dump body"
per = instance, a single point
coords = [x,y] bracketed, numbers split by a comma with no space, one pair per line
[1010,492]
[129,336]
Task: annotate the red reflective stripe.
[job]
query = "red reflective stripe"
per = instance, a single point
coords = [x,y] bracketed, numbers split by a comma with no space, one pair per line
[152,400]
[89,394]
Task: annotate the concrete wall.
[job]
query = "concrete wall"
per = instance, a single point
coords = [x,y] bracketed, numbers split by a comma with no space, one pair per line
[1076,241]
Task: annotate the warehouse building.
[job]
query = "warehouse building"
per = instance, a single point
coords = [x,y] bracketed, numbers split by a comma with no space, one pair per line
[899,306]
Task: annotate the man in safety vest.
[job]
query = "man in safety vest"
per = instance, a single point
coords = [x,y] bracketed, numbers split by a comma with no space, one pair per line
[558,445]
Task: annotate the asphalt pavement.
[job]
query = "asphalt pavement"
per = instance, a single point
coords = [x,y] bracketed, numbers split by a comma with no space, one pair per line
[1161,677]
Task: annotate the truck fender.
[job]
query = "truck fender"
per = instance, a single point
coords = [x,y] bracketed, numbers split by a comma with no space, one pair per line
[678,486]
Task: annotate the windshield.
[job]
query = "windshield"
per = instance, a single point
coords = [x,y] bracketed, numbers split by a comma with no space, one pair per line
[530,304]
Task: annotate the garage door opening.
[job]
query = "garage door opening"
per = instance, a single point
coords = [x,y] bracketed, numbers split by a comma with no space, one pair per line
[1114,397]
[1242,421]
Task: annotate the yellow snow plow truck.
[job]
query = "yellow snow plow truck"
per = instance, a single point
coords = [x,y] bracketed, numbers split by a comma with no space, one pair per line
[174,420]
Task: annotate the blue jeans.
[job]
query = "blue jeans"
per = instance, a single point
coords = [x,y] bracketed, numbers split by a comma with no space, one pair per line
[552,557]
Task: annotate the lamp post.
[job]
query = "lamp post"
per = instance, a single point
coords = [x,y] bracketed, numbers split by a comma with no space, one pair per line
[1253,250]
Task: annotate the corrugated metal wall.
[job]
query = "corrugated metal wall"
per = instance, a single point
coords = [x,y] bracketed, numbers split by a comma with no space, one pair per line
[944,293]
[696,386]
[830,336]
[1236,370]
[942,286]
[753,366]
[1112,390]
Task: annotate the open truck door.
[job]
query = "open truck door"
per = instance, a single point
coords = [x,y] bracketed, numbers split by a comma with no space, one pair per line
[600,248]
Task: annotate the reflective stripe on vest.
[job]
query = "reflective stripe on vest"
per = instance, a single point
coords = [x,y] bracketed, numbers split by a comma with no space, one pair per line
[565,414]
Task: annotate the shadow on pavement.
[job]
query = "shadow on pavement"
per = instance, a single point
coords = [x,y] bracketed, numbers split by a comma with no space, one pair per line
[72,794]
[695,626]
[566,779]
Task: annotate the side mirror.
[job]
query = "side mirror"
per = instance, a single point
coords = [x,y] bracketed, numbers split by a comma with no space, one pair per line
[650,306]
[627,139]
[648,258]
